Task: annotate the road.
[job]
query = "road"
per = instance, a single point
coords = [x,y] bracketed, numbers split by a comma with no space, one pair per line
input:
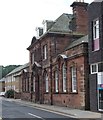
[12,110]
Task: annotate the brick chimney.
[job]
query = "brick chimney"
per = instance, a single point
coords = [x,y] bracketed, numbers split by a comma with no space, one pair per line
[80,17]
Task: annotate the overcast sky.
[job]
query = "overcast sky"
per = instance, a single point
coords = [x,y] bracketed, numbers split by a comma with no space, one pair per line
[18,20]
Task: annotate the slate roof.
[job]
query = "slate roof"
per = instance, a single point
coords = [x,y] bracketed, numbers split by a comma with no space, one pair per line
[18,69]
[78,42]
[62,23]
[59,26]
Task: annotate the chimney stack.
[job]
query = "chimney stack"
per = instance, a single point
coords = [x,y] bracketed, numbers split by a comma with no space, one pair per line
[80,17]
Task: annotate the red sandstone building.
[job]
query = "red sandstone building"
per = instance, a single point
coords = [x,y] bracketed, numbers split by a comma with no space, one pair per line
[59,61]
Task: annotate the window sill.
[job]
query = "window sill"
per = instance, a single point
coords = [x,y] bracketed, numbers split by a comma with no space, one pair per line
[64,92]
[55,92]
[26,91]
[44,60]
[95,50]
[46,93]
[94,73]
[73,92]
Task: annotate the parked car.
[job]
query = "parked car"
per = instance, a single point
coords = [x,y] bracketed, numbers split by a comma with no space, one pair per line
[2,94]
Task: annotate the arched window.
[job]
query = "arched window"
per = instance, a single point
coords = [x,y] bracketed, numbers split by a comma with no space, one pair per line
[64,77]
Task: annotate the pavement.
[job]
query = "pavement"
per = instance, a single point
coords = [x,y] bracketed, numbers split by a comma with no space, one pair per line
[74,113]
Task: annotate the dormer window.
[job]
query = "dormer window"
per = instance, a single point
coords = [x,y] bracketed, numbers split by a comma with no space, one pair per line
[44,26]
[39,31]
[47,24]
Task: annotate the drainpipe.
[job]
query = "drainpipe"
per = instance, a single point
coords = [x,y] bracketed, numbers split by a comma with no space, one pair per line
[41,89]
[31,89]
[51,90]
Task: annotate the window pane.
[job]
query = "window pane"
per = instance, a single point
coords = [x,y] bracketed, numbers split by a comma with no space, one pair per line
[74,79]
[64,77]
[96,35]
[94,68]
[34,84]
[47,83]
[96,44]
[96,29]
[56,81]
[45,52]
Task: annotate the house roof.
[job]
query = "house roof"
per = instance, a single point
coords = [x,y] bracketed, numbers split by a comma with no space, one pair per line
[59,26]
[62,23]
[18,69]
[78,41]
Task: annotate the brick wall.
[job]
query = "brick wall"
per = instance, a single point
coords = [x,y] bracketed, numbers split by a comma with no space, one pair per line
[80,20]
[79,57]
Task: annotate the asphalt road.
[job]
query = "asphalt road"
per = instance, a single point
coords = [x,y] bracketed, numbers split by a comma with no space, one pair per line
[13,111]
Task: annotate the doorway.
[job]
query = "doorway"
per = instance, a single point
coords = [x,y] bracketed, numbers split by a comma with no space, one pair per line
[100,99]
[37,89]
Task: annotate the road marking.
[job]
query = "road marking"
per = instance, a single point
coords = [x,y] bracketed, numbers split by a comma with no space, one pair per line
[44,109]
[56,112]
[36,116]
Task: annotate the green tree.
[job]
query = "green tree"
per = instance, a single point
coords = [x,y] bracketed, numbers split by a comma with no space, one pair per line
[8,69]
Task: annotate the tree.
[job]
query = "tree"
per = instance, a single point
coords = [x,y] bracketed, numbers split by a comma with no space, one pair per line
[8,69]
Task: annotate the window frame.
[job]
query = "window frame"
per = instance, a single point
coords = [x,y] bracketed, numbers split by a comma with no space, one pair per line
[56,81]
[64,78]
[46,83]
[95,28]
[34,84]
[91,68]
[73,86]
[45,52]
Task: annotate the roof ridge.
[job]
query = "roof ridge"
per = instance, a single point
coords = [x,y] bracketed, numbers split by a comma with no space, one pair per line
[18,69]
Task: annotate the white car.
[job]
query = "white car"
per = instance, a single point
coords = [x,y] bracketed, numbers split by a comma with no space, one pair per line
[2,93]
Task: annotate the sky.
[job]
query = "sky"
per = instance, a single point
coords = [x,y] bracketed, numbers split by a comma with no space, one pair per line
[18,20]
